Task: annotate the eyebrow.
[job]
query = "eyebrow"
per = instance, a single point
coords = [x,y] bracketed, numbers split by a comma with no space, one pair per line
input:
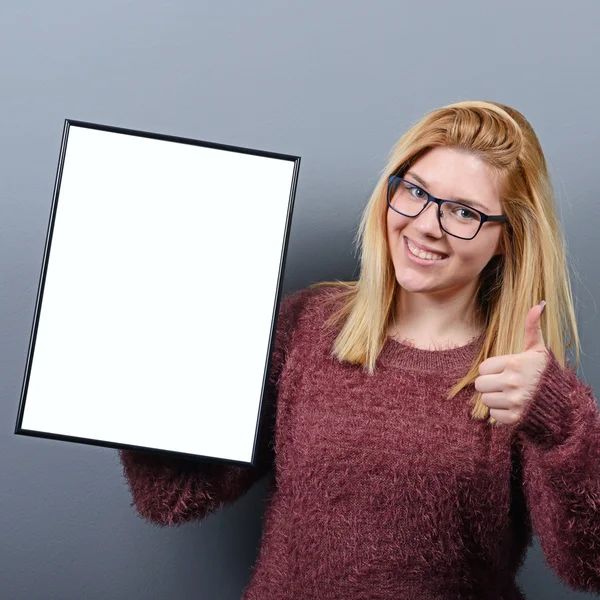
[465,201]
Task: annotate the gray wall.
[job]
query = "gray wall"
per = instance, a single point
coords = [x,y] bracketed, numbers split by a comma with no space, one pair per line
[333,82]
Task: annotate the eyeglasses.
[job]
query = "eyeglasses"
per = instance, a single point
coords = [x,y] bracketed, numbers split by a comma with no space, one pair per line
[455,218]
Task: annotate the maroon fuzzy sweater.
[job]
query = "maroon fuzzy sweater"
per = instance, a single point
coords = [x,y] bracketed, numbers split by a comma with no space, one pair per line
[381,489]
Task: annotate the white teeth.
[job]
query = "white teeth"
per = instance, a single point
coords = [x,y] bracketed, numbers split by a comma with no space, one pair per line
[422,254]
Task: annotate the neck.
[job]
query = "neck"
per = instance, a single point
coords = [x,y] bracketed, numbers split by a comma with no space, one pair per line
[425,316]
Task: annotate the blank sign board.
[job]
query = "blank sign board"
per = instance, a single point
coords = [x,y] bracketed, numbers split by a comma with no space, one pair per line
[159,292]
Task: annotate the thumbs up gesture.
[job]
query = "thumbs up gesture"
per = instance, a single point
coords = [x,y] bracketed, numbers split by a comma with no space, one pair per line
[508,382]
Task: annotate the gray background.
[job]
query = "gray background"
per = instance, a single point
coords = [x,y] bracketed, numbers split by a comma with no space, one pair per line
[334,82]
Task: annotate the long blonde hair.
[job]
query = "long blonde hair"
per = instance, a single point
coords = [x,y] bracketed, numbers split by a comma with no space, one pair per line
[532,268]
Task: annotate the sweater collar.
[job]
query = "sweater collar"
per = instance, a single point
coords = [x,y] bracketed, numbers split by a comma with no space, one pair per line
[399,354]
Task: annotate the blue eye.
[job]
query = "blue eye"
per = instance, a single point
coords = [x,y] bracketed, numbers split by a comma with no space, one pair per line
[470,214]
[412,188]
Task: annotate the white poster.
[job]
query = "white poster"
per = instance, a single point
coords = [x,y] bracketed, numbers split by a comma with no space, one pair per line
[158,294]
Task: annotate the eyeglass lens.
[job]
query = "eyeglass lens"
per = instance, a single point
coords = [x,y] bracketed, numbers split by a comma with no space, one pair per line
[457,219]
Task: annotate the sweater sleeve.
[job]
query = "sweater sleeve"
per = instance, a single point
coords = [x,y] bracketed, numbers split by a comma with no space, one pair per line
[169,490]
[559,434]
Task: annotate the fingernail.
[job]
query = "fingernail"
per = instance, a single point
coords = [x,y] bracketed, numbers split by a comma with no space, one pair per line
[543,305]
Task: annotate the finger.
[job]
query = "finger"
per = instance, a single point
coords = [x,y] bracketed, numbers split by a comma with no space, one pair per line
[534,338]
[495,400]
[490,383]
[494,364]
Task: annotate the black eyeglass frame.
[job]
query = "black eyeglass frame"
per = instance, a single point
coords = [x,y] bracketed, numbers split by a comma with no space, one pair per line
[438,201]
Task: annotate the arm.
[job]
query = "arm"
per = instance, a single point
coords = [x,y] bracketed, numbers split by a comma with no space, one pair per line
[559,435]
[169,490]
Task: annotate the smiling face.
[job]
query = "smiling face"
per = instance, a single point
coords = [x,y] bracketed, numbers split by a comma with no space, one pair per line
[450,174]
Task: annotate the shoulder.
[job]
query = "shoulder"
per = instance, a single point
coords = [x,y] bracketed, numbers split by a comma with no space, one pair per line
[307,303]
[303,316]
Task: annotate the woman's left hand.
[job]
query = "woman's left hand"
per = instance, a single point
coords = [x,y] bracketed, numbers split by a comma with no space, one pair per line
[508,382]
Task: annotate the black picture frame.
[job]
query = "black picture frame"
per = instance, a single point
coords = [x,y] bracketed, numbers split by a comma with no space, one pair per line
[108,147]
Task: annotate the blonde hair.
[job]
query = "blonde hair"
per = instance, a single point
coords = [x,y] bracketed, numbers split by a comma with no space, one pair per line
[531,269]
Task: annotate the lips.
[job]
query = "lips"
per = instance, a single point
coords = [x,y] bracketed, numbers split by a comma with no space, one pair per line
[426,249]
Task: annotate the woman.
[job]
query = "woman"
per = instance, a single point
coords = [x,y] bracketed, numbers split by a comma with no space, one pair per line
[424,420]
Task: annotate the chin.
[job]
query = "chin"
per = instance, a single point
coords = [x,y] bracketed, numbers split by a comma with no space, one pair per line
[416,289]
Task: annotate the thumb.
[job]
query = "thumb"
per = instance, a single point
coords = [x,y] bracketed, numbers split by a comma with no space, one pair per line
[534,339]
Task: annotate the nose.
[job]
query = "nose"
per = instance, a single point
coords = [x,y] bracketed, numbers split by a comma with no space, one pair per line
[427,222]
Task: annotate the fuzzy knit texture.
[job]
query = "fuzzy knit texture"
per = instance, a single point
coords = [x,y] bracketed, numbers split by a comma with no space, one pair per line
[382,489]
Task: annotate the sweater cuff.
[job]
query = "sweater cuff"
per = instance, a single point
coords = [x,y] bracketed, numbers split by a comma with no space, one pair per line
[549,416]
